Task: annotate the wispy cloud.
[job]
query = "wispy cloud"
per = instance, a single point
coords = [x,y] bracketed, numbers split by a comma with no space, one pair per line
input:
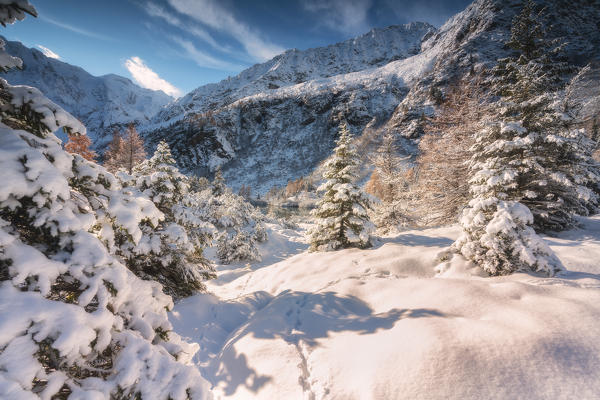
[47,52]
[75,29]
[346,16]
[213,15]
[154,10]
[149,79]
[201,58]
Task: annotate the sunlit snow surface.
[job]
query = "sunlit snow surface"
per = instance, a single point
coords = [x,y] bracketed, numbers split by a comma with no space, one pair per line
[378,324]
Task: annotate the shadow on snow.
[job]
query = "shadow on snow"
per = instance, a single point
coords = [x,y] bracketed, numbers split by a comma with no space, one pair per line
[293,317]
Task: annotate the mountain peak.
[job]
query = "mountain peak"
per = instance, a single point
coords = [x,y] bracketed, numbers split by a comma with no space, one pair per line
[100,102]
[375,48]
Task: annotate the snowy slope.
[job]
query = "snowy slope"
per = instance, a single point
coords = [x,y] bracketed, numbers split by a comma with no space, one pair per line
[377,324]
[277,121]
[99,102]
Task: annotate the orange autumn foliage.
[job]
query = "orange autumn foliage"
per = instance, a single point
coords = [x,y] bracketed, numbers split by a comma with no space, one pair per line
[80,144]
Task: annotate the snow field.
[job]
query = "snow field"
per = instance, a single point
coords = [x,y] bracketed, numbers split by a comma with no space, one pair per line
[379,324]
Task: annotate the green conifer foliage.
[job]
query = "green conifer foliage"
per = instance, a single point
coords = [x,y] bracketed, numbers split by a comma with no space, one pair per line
[341,215]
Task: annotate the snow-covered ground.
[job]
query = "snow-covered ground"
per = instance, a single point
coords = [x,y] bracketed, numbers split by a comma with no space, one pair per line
[378,323]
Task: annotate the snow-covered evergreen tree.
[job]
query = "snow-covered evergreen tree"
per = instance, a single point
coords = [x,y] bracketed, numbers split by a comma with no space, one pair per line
[498,232]
[218,183]
[523,167]
[198,183]
[556,176]
[341,214]
[240,226]
[75,321]
[178,262]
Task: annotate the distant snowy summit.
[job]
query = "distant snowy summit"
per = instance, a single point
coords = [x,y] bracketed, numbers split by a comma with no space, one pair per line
[101,103]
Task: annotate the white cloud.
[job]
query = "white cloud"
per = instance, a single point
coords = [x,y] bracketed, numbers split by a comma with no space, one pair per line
[47,52]
[203,59]
[75,29]
[154,10]
[149,79]
[346,16]
[213,15]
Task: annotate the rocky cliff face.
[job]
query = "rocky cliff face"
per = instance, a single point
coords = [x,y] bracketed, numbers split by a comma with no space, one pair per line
[99,102]
[277,121]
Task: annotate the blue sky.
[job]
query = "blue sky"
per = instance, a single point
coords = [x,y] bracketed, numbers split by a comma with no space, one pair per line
[178,45]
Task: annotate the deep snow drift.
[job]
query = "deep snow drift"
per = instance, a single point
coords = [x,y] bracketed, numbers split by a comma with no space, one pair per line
[378,324]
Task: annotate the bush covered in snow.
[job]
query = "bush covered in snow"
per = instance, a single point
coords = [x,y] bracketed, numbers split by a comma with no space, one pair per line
[240,226]
[341,215]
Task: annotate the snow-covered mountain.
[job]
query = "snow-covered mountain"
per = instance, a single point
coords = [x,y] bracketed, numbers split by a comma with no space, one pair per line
[276,121]
[99,102]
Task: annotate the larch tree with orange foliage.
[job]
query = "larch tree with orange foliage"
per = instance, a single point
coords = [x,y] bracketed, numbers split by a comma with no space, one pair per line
[80,144]
[442,185]
[125,151]
[387,183]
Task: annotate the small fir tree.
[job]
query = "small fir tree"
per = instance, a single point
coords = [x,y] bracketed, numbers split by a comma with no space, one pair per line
[341,215]
[498,232]
[239,225]
[218,183]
